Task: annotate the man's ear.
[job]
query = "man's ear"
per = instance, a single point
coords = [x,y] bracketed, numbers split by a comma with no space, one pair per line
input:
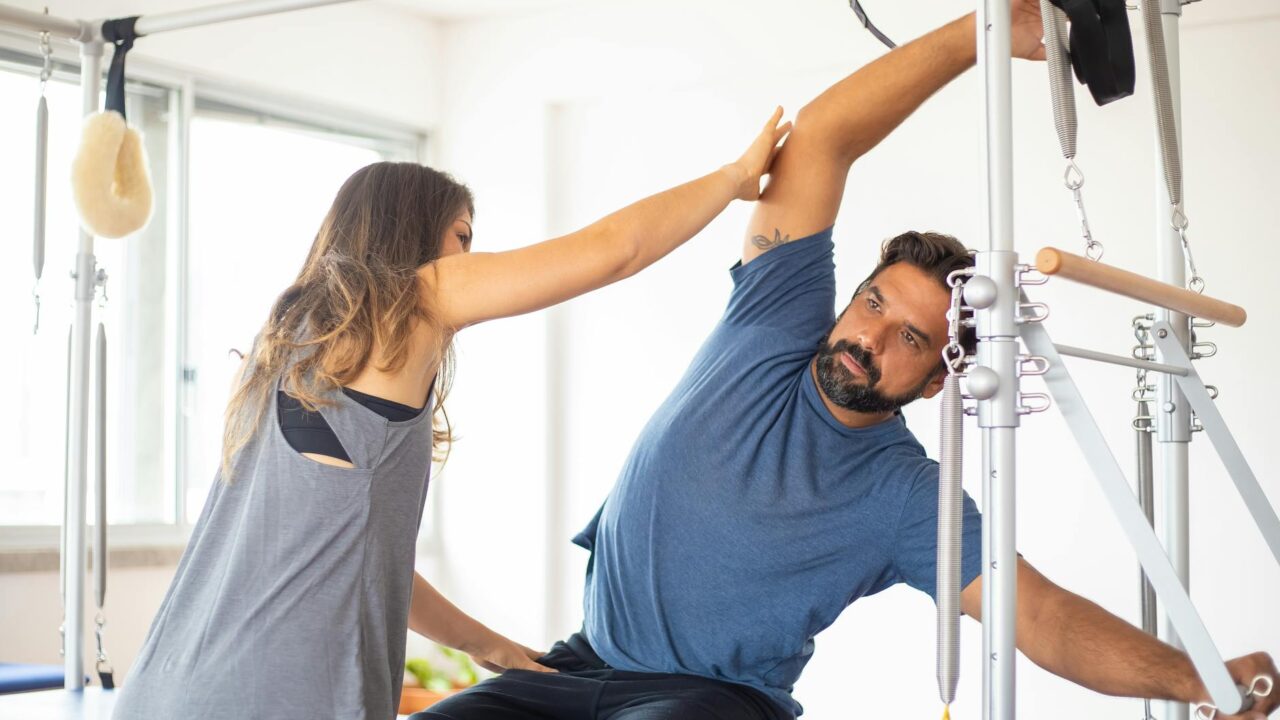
[935,384]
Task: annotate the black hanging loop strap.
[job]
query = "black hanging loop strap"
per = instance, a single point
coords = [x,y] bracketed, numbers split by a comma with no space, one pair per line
[1101,47]
[870,26]
[121,34]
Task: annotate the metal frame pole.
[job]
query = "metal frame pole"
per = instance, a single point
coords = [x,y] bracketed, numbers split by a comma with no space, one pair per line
[998,351]
[1173,413]
[162,22]
[39,22]
[1087,354]
[78,423]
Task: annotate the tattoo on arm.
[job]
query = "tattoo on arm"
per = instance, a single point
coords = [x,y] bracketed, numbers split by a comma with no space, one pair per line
[766,243]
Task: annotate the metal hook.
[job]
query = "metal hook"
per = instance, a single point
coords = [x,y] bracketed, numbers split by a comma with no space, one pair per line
[953,356]
[100,279]
[1028,275]
[1045,403]
[1208,711]
[1073,176]
[1024,317]
[1038,365]
[1204,349]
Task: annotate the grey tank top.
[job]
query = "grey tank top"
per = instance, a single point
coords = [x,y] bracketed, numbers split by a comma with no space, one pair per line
[292,598]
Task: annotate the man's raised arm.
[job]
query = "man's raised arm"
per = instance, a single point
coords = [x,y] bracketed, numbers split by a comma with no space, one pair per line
[807,180]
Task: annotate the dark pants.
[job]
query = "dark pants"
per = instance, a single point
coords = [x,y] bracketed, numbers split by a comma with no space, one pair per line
[585,688]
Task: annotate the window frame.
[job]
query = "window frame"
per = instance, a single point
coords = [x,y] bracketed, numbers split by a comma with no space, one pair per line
[192,93]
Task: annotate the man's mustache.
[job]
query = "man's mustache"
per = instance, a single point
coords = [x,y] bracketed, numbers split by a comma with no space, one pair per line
[860,354]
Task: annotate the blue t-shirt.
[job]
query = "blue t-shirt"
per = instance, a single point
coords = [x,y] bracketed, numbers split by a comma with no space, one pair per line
[746,517]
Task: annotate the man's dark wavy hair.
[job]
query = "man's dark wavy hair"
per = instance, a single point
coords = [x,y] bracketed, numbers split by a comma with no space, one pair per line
[936,254]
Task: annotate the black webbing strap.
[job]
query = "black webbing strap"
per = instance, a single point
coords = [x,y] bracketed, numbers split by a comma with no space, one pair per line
[870,26]
[1101,47]
[121,34]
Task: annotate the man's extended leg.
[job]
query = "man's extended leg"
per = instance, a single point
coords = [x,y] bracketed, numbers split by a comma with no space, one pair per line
[806,183]
[518,695]
[673,697]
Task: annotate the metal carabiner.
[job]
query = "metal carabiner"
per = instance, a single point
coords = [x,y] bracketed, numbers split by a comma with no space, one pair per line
[1208,711]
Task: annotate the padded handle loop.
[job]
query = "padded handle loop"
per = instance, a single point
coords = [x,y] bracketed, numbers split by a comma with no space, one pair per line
[1101,47]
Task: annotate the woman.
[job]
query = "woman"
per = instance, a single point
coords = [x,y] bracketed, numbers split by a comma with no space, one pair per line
[295,591]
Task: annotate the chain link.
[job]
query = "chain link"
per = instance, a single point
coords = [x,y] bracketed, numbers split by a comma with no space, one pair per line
[100,623]
[46,70]
[1143,389]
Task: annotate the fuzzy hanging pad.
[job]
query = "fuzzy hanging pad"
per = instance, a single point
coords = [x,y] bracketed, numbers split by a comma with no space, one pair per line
[109,177]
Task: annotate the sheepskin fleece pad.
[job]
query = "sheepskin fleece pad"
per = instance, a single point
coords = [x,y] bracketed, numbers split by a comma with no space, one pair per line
[109,177]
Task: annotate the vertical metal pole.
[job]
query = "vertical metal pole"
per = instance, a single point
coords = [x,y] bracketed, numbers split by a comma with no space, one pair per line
[78,425]
[1147,501]
[1173,412]
[557,383]
[181,111]
[998,350]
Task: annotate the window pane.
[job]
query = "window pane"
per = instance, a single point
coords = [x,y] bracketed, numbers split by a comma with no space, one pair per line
[32,433]
[258,195]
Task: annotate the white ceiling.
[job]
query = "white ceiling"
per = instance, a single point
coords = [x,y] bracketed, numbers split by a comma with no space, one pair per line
[470,9]
[1199,13]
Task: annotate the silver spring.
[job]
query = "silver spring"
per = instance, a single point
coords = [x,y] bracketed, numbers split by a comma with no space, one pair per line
[950,503]
[1167,127]
[1165,122]
[1061,86]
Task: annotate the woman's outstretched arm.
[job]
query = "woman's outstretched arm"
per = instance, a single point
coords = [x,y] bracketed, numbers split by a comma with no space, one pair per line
[475,287]
[434,617]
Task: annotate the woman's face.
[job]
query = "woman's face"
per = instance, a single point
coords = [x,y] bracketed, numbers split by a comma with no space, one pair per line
[457,238]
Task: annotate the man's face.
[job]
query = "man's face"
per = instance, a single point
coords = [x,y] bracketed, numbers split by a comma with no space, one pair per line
[885,348]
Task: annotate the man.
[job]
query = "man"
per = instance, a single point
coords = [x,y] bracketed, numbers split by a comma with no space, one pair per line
[777,484]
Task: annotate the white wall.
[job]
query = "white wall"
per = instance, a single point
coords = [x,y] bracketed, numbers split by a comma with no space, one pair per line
[558,117]
[379,60]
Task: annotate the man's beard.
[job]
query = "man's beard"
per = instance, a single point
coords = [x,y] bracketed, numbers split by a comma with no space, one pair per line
[846,390]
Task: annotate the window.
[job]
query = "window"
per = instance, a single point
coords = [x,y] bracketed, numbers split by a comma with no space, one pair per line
[32,431]
[254,178]
[258,195]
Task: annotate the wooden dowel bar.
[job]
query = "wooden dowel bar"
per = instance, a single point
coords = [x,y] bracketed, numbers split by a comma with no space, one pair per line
[1052,261]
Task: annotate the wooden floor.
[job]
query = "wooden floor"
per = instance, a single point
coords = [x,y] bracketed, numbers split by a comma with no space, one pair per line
[88,704]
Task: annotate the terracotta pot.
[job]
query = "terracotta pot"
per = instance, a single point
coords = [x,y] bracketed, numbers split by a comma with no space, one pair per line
[414,699]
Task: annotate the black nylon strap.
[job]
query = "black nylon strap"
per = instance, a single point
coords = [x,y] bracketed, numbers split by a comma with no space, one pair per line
[121,34]
[1101,47]
[870,26]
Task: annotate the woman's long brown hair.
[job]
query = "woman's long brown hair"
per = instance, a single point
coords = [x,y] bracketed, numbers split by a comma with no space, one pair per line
[357,293]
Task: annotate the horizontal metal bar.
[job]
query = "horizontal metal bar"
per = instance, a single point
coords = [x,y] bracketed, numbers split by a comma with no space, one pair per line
[39,22]
[1052,261]
[1087,354]
[179,20]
